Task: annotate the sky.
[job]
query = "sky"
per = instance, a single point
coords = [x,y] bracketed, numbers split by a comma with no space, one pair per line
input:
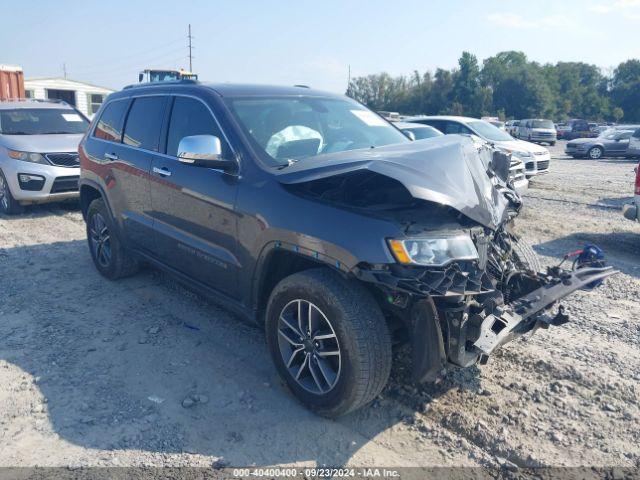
[305,42]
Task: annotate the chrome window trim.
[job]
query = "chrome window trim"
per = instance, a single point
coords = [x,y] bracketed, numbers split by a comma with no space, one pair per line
[133,97]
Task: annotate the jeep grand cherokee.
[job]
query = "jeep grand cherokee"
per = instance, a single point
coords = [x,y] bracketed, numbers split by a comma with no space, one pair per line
[315,217]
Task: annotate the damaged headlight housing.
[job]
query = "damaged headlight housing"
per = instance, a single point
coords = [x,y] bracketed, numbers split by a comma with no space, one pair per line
[435,252]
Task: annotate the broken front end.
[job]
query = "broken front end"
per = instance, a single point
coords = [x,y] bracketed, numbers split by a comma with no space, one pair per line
[462,310]
[462,283]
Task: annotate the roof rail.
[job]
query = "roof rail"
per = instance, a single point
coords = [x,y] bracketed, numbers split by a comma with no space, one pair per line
[182,81]
[40,100]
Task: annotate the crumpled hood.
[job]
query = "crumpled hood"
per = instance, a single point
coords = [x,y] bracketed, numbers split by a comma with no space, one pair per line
[449,170]
[42,143]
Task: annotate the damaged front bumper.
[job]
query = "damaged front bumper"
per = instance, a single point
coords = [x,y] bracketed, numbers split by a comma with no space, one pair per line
[445,330]
[528,313]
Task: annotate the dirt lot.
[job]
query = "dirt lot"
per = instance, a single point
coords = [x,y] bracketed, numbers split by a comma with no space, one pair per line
[95,372]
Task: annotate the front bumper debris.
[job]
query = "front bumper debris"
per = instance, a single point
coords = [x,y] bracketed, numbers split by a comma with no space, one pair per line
[526,313]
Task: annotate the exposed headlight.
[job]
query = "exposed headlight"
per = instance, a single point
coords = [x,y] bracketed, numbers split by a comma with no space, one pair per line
[27,157]
[433,251]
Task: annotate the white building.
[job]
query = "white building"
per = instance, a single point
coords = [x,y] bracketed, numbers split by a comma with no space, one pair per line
[85,97]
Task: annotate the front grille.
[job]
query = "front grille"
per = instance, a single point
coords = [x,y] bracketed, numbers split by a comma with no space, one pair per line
[63,159]
[543,164]
[65,184]
[529,165]
[543,134]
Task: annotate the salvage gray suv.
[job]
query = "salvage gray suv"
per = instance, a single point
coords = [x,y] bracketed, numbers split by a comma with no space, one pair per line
[316,218]
[38,152]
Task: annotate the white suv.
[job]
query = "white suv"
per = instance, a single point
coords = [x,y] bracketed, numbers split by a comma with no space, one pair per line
[38,152]
[535,157]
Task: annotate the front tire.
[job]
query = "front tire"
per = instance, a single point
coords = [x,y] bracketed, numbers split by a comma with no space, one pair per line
[109,255]
[8,204]
[329,341]
[525,256]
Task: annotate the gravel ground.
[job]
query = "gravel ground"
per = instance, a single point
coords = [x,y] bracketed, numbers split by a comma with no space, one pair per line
[96,373]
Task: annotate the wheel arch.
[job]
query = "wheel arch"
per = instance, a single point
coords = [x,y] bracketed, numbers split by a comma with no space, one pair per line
[277,261]
[90,191]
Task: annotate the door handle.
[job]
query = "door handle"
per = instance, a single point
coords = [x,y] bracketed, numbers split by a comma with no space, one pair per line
[164,171]
[111,156]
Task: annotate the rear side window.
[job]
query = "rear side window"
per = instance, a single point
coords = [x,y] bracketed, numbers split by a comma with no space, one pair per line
[455,127]
[191,117]
[110,124]
[636,134]
[144,121]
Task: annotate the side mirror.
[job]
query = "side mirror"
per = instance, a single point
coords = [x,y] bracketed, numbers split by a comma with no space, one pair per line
[204,151]
[140,77]
[409,134]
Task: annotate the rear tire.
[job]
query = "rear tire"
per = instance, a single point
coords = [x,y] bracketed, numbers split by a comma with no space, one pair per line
[109,255]
[8,204]
[595,153]
[360,370]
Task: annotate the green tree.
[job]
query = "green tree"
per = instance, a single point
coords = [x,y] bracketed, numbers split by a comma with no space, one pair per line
[625,89]
[617,114]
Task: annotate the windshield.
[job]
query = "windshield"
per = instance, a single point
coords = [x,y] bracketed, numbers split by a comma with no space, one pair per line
[542,124]
[41,121]
[489,132]
[289,129]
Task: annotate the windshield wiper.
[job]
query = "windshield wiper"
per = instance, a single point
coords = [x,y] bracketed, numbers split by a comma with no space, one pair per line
[14,133]
[55,133]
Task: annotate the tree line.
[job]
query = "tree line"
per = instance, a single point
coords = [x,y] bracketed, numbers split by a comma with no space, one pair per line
[508,85]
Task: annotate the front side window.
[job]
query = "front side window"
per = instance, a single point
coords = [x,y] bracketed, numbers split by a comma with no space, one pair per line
[41,121]
[289,129]
[191,117]
[142,128]
[109,126]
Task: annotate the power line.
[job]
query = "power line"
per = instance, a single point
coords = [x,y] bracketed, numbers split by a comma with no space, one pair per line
[118,65]
[136,54]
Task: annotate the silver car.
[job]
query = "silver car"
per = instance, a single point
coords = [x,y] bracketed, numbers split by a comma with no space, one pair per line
[38,152]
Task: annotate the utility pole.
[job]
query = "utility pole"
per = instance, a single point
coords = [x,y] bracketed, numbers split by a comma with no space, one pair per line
[190,47]
[64,70]
[349,78]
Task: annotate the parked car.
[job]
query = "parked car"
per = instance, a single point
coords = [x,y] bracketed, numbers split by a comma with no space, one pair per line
[417,131]
[511,127]
[561,130]
[316,218]
[535,157]
[578,128]
[634,145]
[537,130]
[38,152]
[612,143]
[631,210]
